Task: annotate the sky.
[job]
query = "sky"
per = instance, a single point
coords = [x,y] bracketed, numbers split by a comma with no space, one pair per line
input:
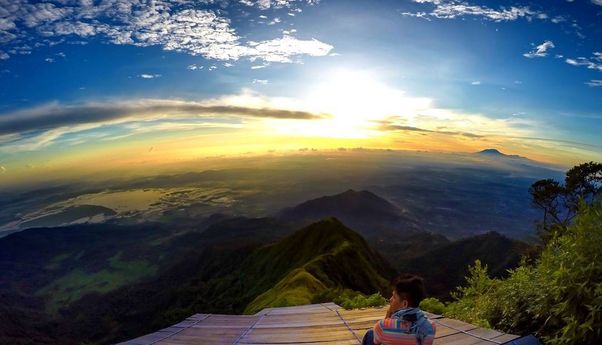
[129,85]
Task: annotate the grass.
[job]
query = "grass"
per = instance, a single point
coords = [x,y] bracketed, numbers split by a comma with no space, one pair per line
[57,261]
[297,288]
[77,283]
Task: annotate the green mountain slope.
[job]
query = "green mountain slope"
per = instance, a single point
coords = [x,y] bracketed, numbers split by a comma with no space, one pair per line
[325,255]
[232,276]
[51,276]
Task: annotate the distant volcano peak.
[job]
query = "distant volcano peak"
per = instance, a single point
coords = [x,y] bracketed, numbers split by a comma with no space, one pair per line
[492,152]
[497,153]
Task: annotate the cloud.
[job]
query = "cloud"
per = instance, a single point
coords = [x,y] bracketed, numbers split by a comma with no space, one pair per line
[57,115]
[175,25]
[2,169]
[149,76]
[451,9]
[594,83]
[594,62]
[266,4]
[4,56]
[283,49]
[260,81]
[476,82]
[390,126]
[422,15]
[194,67]
[597,2]
[540,51]
[49,60]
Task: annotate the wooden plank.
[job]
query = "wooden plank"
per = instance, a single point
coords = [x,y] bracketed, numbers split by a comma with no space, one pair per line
[196,317]
[363,327]
[505,338]
[185,323]
[203,342]
[456,339]
[207,331]
[277,311]
[293,318]
[485,333]
[324,325]
[451,323]
[218,336]
[296,334]
[152,337]
[333,342]
[486,342]
[133,342]
[443,331]
[316,329]
[311,324]
[372,319]
[307,338]
[339,333]
[225,322]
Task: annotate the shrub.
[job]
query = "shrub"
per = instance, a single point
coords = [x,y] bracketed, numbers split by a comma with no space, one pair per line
[559,297]
[432,305]
[354,300]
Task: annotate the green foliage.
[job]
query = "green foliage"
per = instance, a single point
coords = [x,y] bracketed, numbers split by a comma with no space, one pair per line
[432,305]
[560,203]
[354,300]
[559,297]
[77,283]
[473,302]
[573,262]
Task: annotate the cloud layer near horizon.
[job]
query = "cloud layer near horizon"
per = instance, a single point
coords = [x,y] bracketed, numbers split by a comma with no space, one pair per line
[56,115]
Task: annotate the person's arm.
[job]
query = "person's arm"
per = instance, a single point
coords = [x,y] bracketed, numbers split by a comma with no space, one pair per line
[378,333]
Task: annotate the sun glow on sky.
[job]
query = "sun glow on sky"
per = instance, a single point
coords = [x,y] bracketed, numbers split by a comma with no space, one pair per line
[104,87]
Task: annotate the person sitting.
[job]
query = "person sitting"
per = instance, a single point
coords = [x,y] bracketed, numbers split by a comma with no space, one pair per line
[404,323]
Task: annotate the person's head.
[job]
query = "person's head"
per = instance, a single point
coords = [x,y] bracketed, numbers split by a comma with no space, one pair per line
[408,291]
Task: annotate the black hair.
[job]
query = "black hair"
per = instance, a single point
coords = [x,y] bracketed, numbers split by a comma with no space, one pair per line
[410,287]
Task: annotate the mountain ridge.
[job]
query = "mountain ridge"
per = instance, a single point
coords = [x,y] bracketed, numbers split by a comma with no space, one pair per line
[363,211]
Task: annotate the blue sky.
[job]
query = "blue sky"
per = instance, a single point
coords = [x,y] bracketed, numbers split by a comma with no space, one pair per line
[525,76]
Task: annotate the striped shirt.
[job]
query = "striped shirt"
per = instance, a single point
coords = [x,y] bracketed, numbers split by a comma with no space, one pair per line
[405,327]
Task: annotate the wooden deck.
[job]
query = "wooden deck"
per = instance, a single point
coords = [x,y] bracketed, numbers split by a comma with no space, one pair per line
[325,323]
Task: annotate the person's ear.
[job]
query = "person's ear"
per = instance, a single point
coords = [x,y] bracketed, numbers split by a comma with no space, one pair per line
[404,303]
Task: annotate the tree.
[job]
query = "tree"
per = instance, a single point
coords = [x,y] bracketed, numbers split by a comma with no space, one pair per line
[583,182]
[561,202]
[548,195]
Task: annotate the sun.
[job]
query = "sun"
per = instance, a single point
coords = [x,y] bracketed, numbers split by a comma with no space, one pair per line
[356,103]
[355,97]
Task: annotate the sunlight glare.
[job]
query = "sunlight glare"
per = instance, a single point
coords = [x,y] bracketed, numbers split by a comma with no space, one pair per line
[357,102]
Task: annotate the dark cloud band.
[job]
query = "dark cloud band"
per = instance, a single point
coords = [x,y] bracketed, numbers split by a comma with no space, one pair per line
[393,127]
[55,115]
[387,126]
